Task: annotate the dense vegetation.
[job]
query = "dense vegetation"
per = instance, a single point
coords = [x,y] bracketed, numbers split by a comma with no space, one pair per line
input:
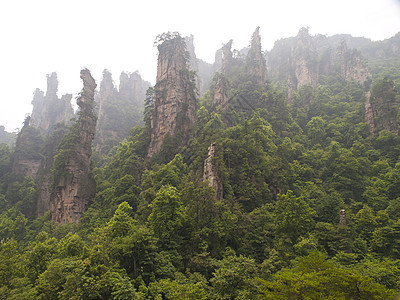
[156,231]
[6,137]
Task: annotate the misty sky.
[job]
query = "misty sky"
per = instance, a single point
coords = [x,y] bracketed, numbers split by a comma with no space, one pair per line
[42,36]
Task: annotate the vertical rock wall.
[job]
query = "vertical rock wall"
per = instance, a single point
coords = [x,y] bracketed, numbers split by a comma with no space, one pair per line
[382,106]
[27,157]
[132,89]
[74,186]
[174,98]
[305,60]
[227,56]
[256,65]
[369,113]
[119,110]
[193,65]
[211,173]
[221,91]
[48,109]
[352,66]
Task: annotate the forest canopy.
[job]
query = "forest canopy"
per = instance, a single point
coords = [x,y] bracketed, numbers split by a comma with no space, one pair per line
[301,198]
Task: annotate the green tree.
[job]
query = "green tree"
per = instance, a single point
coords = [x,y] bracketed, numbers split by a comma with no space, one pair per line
[316,130]
[167,216]
[234,278]
[313,277]
[293,217]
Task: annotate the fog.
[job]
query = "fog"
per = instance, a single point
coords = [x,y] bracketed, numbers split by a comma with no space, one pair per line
[44,36]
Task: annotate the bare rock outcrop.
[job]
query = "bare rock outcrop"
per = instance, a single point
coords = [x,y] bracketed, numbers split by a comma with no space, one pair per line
[304,59]
[342,218]
[193,65]
[174,95]
[118,110]
[211,173]
[106,95]
[205,75]
[382,106]
[369,113]
[227,57]
[46,176]
[74,186]
[221,91]
[132,89]
[290,89]
[352,66]
[27,158]
[223,58]
[48,109]
[305,62]
[256,64]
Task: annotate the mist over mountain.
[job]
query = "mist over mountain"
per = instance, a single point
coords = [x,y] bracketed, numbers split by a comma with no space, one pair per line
[262,175]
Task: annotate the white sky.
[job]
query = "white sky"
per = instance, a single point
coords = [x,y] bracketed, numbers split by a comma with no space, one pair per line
[42,36]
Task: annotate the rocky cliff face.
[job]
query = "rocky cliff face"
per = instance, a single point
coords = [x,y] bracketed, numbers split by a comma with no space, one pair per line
[32,158]
[256,65]
[369,113]
[342,219]
[132,89]
[221,91]
[46,176]
[381,107]
[227,57]
[211,173]
[206,73]
[301,60]
[223,58]
[305,60]
[107,94]
[74,186]
[174,95]
[119,110]
[193,65]
[352,66]
[27,157]
[48,109]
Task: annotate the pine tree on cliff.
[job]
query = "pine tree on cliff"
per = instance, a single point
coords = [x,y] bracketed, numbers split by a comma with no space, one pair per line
[175,103]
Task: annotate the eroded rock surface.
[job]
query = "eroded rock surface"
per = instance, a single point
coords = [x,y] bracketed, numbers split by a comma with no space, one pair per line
[74,186]
[48,109]
[174,95]
[118,110]
[221,91]
[352,65]
[255,59]
[27,159]
[211,172]
[381,107]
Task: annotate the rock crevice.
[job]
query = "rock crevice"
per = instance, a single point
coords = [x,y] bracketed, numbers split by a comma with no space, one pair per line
[175,103]
[74,186]
[211,172]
